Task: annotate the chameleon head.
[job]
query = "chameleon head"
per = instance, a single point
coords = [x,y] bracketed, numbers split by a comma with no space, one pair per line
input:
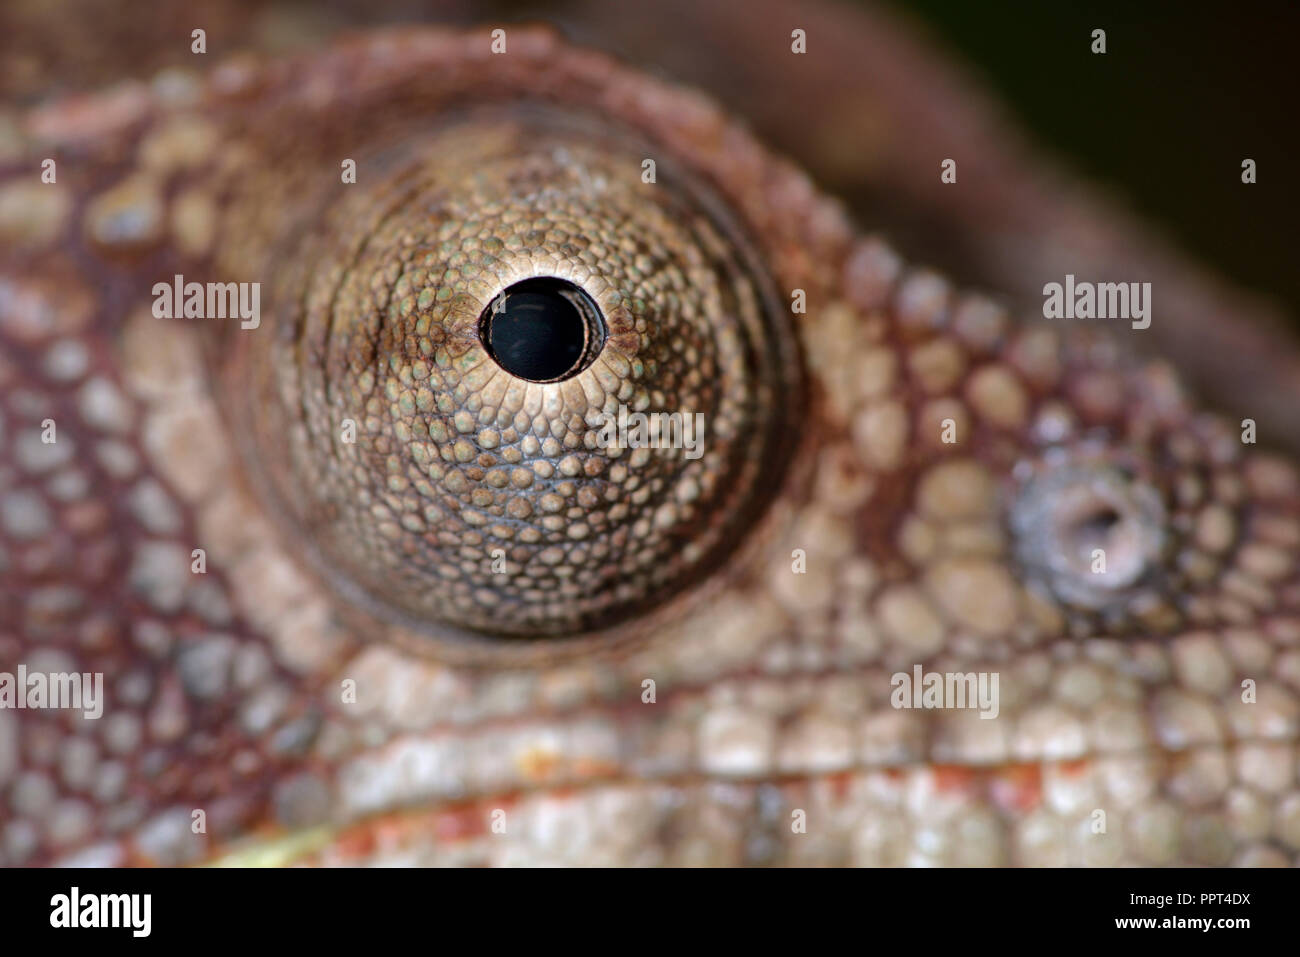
[445,338]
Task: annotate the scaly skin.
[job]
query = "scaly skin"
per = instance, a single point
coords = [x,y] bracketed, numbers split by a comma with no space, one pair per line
[1120,693]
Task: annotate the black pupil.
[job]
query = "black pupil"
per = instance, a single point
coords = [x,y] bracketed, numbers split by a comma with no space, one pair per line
[543,330]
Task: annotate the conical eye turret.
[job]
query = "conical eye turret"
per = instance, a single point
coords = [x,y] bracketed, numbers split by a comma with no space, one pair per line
[511,388]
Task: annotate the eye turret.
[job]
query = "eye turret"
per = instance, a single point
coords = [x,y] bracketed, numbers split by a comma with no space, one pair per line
[512,388]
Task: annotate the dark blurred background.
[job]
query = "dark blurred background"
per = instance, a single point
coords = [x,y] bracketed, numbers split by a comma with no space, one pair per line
[1184,92]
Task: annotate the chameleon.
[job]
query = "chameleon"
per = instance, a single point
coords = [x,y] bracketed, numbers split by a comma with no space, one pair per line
[363,594]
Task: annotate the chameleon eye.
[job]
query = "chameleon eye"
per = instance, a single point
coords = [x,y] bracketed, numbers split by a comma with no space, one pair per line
[509,388]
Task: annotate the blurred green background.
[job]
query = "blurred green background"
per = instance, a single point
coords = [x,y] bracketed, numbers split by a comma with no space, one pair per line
[1184,92]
